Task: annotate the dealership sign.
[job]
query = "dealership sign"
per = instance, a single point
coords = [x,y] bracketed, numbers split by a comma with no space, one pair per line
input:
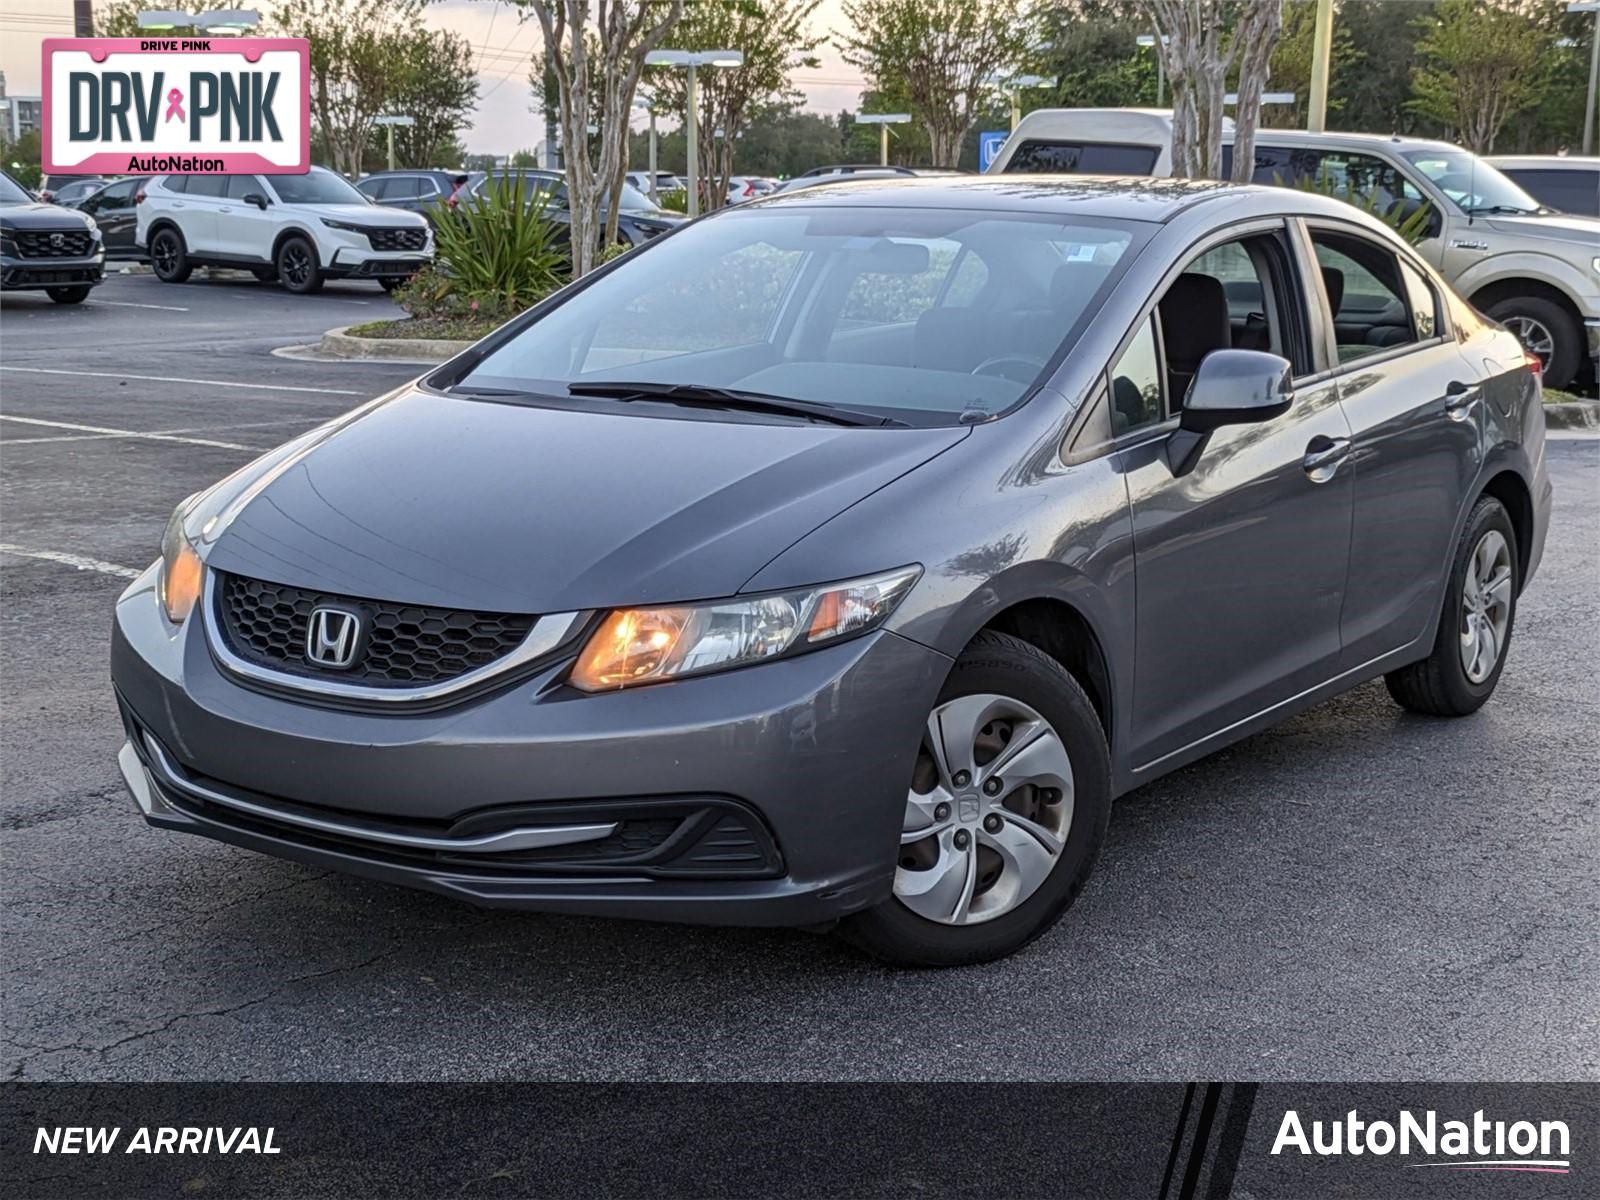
[210,106]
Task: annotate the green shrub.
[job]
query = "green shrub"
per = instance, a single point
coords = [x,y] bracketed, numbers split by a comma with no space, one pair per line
[677,200]
[497,252]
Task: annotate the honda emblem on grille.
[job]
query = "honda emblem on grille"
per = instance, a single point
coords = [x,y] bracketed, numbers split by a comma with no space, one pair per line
[333,638]
[58,240]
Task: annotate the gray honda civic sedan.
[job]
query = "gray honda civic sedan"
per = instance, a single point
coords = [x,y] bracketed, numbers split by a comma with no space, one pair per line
[838,558]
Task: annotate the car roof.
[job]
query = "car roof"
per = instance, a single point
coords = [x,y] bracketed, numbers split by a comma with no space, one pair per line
[1136,198]
[1546,162]
[1351,141]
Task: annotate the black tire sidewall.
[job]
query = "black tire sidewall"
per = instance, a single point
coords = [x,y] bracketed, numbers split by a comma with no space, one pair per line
[69,295]
[179,272]
[1487,514]
[893,931]
[1566,357]
[310,285]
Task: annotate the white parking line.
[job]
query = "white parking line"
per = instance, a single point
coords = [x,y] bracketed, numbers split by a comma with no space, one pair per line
[76,561]
[131,304]
[127,433]
[226,383]
[302,422]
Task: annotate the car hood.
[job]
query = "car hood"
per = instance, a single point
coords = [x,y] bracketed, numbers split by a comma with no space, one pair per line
[1583,232]
[438,500]
[43,216]
[364,214]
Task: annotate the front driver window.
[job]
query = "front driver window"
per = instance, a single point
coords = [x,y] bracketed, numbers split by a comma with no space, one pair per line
[1366,296]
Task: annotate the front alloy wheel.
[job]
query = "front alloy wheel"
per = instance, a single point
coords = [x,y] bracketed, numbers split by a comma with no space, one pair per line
[988,813]
[1006,811]
[297,266]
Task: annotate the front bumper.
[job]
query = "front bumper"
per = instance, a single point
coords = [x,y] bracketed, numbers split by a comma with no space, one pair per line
[18,274]
[356,265]
[795,772]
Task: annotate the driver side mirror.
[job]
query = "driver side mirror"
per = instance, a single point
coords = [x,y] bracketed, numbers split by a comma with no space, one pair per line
[1232,387]
[257,199]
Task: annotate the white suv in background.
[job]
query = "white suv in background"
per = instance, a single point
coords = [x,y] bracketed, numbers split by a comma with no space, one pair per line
[300,230]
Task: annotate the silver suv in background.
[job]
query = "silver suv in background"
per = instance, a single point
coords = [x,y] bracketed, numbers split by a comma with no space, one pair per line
[1521,262]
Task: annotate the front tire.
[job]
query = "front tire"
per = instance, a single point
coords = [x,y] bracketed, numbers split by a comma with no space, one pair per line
[1546,329]
[69,295]
[169,257]
[1006,812]
[298,269]
[1480,609]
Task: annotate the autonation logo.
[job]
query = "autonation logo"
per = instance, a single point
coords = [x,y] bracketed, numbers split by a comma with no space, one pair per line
[1477,1145]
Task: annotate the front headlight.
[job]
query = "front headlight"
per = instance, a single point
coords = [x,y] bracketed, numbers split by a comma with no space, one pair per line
[181,570]
[1595,263]
[650,645]
[347,226]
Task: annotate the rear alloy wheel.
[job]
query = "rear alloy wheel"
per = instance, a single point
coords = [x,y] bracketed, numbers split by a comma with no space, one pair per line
[1480,609]
[1547,331]
[1005,814]
[169,258]
[298,269]
[69,295]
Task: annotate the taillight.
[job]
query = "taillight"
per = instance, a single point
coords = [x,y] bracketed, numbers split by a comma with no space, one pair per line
[452,201]
[138,197]
[1533,362]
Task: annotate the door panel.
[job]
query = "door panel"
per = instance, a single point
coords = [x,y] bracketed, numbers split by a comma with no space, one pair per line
[1415,453]
[243,230]
[1241,572]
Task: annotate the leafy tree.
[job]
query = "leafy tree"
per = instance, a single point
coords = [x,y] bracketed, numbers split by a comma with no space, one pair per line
[360,58]
[1201,42]
[623,32]
[940,54]
[775,39]
[1091,49]
[438,90]
[1371,98]
[1482,62]
[22,158]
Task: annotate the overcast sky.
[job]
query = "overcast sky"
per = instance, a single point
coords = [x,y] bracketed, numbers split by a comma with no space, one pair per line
[504,121]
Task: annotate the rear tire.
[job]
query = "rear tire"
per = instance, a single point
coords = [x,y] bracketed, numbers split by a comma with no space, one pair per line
[1546,329]
[298,269]
[69,295]
[993,916]
[1459,675]
[169,256]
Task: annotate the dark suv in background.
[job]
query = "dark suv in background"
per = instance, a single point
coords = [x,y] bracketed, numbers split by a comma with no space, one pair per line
[416,191]
[44,247]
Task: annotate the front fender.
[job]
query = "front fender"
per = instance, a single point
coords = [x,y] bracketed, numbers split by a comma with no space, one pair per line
[1579,286]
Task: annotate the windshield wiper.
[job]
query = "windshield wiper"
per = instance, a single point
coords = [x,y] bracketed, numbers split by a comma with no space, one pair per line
[704,396]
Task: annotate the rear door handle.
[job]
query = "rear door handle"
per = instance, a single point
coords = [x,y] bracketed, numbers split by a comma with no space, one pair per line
[1323,456]
[1459,398]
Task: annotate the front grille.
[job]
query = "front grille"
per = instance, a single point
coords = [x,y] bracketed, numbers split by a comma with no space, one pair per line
[45,243]
[407,645]
[404,238]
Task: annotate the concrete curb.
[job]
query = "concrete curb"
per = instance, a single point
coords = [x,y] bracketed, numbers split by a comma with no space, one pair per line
[337,343]
[1573,414]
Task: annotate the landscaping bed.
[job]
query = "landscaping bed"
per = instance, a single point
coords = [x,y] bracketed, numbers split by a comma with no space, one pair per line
[466,328]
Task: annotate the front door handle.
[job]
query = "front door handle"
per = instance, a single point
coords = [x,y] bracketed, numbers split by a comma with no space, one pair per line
[1459,398]
[1323,456]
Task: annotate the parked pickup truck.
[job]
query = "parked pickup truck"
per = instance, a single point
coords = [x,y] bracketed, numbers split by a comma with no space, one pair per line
[1526,265]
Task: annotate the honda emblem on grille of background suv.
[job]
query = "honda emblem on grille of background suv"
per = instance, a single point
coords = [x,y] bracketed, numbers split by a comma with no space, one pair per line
[333,638]
[58,240]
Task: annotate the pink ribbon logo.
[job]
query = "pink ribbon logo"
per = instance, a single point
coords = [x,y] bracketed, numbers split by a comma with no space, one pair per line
[175,105]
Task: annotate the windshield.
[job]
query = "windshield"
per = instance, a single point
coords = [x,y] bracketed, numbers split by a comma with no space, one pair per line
[12,193]
[319,186]
[931,317]
[1472,183]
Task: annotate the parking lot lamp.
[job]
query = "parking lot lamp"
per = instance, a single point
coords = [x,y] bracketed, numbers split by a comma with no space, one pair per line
[691,60]
[647,102]
[1149,39]
[228,22]
[883,121]
[391,121]
[1013,86]
[1590,6]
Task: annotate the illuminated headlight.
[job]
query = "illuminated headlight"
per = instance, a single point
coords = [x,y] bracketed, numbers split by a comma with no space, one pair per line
[651,645]
[181,570]
[347,226]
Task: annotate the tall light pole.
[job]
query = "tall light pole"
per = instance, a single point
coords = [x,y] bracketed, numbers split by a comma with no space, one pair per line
[391,122]
[691,60]
[222,23]
[1013,85]
[1321,53]
[883,121]
[1149,39]
[1590,6]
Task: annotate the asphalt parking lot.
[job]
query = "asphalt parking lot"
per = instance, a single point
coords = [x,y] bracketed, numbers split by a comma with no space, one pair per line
[1357,894]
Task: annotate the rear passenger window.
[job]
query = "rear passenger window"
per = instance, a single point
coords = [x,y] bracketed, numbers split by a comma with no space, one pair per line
[208,185]
[1136,383]
[1083,158]
[1369,300]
